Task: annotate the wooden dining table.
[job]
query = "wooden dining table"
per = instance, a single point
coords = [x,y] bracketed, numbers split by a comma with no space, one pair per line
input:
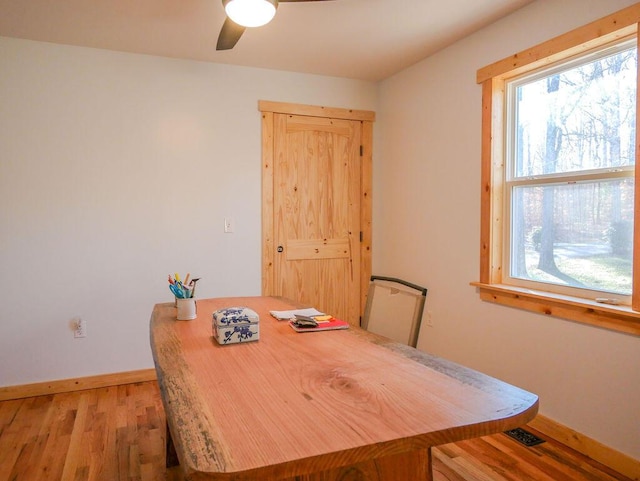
[315,406]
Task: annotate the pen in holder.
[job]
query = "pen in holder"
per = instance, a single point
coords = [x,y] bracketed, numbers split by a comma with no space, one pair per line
[184,296]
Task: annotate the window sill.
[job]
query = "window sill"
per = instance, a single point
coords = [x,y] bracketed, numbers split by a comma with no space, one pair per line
[616,318]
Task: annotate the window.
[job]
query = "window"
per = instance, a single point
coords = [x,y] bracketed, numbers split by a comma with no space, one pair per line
[559,155]
[569,181]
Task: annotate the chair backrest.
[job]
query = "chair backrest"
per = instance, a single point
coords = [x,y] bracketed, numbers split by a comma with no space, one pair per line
[394,309]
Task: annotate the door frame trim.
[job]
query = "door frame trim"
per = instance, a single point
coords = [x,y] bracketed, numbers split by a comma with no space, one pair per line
[366,118]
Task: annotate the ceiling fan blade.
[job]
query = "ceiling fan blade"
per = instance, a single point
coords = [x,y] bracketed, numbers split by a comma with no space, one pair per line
[229,35]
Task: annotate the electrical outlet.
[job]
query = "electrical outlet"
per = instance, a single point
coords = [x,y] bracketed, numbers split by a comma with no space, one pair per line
[80,328]
[228,225]
[429,319]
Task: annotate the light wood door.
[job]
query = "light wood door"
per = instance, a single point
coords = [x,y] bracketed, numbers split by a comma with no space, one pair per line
[315,230]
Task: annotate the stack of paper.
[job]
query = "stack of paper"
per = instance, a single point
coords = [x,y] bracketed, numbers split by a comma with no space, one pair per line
[286,315]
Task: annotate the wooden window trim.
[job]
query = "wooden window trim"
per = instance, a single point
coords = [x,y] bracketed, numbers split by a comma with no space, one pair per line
[613,28]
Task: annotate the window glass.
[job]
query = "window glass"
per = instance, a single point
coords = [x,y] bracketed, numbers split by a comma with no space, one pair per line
[570,186]
[579,118]
[589,239]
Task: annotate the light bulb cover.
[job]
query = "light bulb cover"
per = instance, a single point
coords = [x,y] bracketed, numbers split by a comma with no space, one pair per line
[250,13]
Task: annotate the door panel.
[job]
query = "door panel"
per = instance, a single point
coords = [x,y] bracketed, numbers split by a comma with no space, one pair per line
[317,212]
[317,249]
[316,205]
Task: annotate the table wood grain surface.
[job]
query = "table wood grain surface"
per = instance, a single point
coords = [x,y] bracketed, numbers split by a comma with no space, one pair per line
[320,405]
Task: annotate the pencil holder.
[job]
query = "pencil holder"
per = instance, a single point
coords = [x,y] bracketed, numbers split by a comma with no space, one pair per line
[186,309]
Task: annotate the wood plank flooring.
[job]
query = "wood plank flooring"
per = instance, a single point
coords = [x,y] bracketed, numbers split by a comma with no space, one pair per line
[118,434]
[114,433]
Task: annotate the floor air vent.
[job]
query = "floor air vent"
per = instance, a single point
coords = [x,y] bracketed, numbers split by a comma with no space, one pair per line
[524,437]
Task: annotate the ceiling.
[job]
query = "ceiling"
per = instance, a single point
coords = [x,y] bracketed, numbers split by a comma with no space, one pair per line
[360,39]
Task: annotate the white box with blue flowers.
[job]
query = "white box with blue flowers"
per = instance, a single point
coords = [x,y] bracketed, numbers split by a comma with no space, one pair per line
[234,325]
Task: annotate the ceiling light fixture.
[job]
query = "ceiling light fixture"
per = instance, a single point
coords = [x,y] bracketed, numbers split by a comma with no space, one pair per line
[250,13]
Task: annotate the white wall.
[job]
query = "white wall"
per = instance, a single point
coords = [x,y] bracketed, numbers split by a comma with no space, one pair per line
[427,231]
[115,171]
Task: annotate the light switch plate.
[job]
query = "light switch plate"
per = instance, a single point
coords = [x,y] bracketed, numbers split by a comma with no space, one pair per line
[228,225]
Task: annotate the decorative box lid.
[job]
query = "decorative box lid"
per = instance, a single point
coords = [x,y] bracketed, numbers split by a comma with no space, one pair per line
[235,316]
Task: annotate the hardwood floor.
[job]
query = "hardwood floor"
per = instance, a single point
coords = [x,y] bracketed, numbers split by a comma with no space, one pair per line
[117,434]
[500,458]
[114,433]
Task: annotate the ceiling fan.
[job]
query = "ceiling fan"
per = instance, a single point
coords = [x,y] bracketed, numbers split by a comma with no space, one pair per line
[246,13]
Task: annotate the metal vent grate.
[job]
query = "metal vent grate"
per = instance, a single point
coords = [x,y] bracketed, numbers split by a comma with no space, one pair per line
[524,437]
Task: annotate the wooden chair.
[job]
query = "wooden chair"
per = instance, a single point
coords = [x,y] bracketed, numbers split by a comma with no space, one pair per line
[394,309]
